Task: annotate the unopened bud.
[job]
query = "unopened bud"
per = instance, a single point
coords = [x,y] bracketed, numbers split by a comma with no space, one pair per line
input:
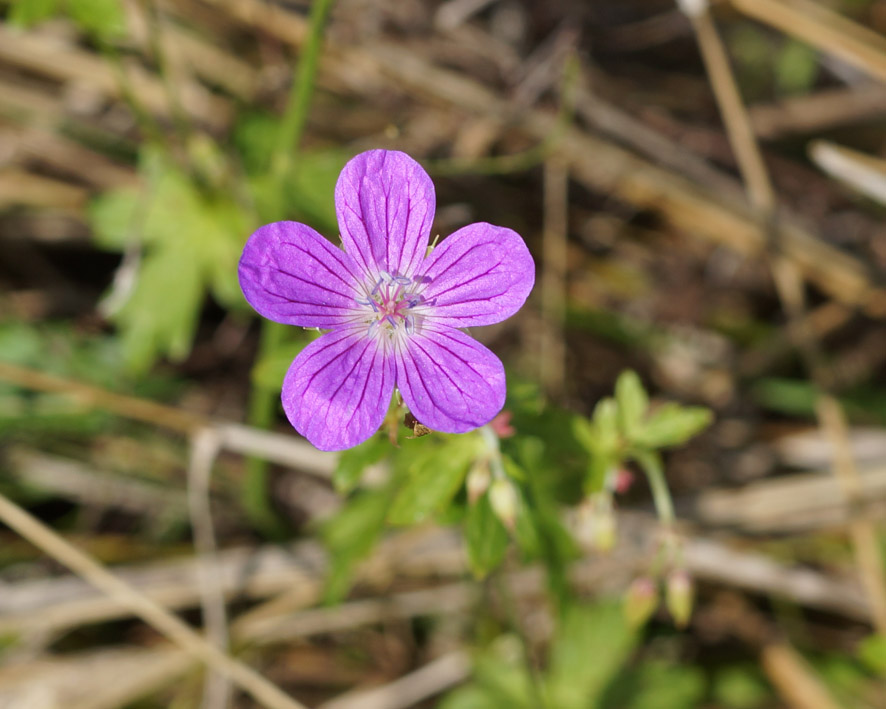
[501,424]
[623,481]
[478,482]
[641,600]
[596,522]
[503,499]
[679,597]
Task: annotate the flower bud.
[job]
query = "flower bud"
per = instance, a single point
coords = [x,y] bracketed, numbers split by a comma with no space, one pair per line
[623,481]
[679,597]
[478,481]
[596,522]
[501,424]
[641,600]
[503,499]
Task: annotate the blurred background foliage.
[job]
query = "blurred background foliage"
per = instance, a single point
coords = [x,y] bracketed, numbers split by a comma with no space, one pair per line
[653,522]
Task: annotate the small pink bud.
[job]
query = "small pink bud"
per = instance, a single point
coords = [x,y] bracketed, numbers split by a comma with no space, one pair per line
[503,499]
[641,600]
[501,424]
[478,481]
[680,597]
[624,479]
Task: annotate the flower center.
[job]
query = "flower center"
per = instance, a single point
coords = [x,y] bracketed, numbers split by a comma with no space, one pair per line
[391,301]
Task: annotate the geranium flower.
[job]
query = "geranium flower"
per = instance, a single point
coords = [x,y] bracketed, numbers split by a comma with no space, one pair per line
[393,312]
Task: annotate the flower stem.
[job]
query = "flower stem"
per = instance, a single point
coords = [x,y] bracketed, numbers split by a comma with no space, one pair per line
[661,495]
[490,438]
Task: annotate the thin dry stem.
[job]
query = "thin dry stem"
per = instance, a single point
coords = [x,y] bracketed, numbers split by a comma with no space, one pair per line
[553,281]
[264,692]
[205,446]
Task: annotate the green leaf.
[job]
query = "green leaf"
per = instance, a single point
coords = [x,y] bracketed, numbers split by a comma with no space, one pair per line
[601,438]
[255,135]
[606,421]
[672,425]
[27,13]
[434,475]
[115,218]
[269,371]
[485,537]
[660,685]
[350,535]
[501,671]
[312,187]
[592,645]
[585,433]
[191,241]
[470,697]
[353,462]
[632,403]
[796,67]
[103,19]
[157,318]
[872,652]
[787,396]
[740,687]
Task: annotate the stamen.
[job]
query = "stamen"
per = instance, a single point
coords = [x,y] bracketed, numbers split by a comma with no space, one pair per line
[391,301]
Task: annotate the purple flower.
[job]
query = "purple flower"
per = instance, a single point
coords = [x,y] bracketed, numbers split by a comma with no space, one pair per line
[392,311]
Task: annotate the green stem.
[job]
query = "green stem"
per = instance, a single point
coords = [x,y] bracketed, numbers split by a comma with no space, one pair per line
[494,447]
[263,402]
[296,116]
[262,407]
[661,495]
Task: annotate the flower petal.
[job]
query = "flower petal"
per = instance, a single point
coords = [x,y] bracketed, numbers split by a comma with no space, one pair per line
[291,274]
[385,204]
[479,275]
[337,391]
[450,381]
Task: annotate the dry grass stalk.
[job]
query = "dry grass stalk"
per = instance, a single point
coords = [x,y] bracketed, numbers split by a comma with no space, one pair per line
[264,692]
[864,173]
[205,446]
[552,357]
[67,64]
[824,29]
[822,110]
[790,286]
[804,502]
[18,187]
[435,677]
